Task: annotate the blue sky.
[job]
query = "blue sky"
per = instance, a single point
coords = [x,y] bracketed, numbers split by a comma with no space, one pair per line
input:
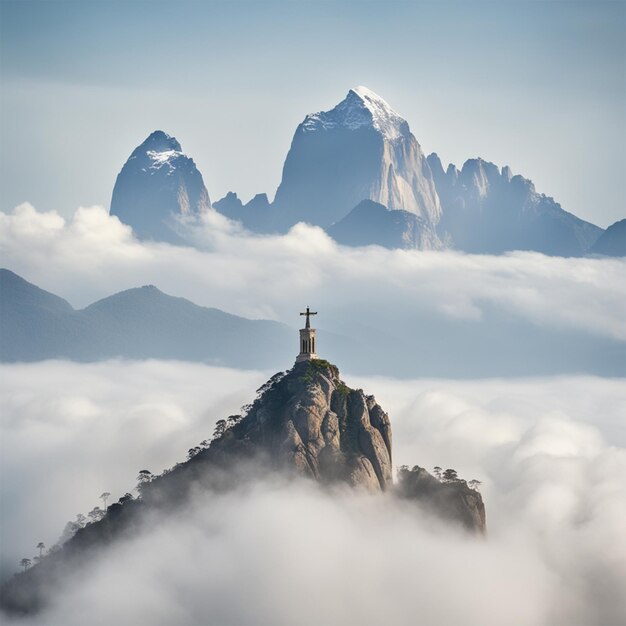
[540,86]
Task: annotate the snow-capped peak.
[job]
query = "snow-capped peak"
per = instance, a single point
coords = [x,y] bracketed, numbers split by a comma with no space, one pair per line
[159,141]
[361,107]
[157,151]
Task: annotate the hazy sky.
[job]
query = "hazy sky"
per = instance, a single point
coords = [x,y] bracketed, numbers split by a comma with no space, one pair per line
[540,86]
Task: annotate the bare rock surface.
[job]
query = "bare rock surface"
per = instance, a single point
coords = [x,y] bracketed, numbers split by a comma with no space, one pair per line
[310,421]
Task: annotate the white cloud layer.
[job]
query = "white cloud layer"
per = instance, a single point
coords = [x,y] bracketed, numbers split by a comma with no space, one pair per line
[93,255]
[551,454]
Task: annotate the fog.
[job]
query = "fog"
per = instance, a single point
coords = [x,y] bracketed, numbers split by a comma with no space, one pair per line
[394,312]
[551,453]
[93,255]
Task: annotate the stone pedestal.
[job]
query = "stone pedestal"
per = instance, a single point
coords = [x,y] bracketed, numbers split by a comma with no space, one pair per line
[307,345]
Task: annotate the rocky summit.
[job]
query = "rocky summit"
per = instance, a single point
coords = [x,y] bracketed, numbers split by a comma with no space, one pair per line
[309,421]
[158,185]
[361,149]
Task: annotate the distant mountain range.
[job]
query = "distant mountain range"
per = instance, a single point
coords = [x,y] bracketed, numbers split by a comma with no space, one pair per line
[138,323]
[145,323]
[360,150]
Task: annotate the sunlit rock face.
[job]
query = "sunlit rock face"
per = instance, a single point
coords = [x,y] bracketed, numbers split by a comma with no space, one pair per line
[362,149]
[157,186]
[311,422]
[488,210]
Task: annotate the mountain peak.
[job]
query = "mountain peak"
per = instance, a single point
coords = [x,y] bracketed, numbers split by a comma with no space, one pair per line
[160,141]
[360,108]
[310,421]
[158,184]
[159,149]
[366,92]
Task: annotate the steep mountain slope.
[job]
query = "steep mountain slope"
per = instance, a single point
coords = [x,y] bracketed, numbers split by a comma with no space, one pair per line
[35,324]
[305,422]
[370,223]
[612,242]
[158,184]
[489,211]
[359,150]
[137,323]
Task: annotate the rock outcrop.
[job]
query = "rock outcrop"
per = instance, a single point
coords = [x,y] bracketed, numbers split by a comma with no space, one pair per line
[310,422]
[452,500]
[158,185]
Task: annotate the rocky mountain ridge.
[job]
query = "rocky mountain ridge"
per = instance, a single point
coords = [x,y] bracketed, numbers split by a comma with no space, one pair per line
[359,150]
[488,210]
[139,323]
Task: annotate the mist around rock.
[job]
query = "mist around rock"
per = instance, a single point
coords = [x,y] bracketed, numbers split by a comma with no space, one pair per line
[550,453]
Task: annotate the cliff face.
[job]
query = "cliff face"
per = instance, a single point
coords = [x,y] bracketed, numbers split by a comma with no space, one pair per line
[311,422]
[361,149]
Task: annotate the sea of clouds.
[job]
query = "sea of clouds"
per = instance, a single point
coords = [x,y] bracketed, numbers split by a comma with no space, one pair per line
[402,313]
[93,254]
[551,454]
[549,450]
